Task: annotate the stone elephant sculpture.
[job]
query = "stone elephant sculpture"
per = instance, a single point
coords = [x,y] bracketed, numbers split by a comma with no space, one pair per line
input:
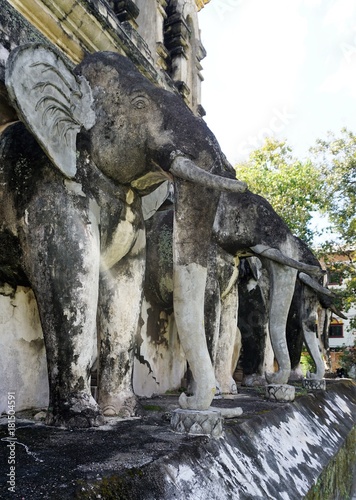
[245,224]
[302,318]
[220,302]
[90,142]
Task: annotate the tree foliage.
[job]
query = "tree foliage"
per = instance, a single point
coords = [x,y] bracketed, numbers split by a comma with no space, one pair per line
[290,185]
[336,160]
[324,183]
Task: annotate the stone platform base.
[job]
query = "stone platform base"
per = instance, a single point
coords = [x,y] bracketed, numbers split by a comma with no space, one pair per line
[280,392]
[208,422]
[288,452]
[314,384]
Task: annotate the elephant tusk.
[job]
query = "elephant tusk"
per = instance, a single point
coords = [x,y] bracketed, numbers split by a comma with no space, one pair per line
[304,278]
[337,312]
[189,171]
[278,256]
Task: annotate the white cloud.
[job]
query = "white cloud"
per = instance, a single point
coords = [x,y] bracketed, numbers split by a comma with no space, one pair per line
[295,57]
[340,14]
[343,79]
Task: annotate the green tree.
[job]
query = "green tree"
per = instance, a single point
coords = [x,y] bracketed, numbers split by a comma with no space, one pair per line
[293,187]
[336,160]
[324,183]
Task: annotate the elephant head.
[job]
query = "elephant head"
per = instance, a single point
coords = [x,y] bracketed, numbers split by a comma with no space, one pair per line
[136,132]
[105,121]
[247,225]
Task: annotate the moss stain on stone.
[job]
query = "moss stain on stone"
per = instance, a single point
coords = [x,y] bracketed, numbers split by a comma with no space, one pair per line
[120,487]
[336,480]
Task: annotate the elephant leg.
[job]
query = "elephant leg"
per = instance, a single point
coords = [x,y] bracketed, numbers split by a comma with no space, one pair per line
[212,312]
[61,256]
[190,323]
[193,221]
[120,296]
[314,350]
[282,280]
[311,340]
[229,342]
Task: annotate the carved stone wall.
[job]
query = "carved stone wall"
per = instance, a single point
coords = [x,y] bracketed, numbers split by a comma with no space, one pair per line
[161,37]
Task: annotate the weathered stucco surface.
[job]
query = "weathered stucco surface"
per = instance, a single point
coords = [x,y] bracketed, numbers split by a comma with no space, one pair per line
[23,366]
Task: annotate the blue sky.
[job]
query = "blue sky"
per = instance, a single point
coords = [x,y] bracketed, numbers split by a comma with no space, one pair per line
[278,67]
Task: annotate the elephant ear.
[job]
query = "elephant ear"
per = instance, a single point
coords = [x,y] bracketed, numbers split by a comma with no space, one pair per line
[51,100]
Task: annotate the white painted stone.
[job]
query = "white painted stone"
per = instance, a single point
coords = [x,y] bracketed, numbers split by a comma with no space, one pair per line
[121,243]
[162,364]
[23,366]
[286,455]
[151,202]
[189,289]
[228,412]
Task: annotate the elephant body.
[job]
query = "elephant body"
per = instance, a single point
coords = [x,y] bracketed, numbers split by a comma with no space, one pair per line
[70,239]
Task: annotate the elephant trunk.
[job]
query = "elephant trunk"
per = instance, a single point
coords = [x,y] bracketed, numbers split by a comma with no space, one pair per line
[307,280]
[278,256]
[187,170]
[337,312]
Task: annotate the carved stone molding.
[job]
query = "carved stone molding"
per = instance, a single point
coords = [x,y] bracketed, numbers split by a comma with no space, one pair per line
[197,422]
[126,10]
[280,392]
[314,384]
[182,89]
[201,3]
[162,6]
[82,26]
[162,56]
[176,34]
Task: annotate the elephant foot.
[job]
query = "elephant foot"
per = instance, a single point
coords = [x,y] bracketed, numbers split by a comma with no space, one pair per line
[199,401]
[229,387]
[280,377]
[254,380]
[296,375]
[315,376]
[123,405]
[79,411]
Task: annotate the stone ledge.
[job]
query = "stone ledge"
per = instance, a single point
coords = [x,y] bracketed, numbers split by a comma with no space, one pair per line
[278,453]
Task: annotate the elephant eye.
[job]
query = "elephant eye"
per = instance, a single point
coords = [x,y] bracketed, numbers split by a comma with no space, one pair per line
[139,102]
